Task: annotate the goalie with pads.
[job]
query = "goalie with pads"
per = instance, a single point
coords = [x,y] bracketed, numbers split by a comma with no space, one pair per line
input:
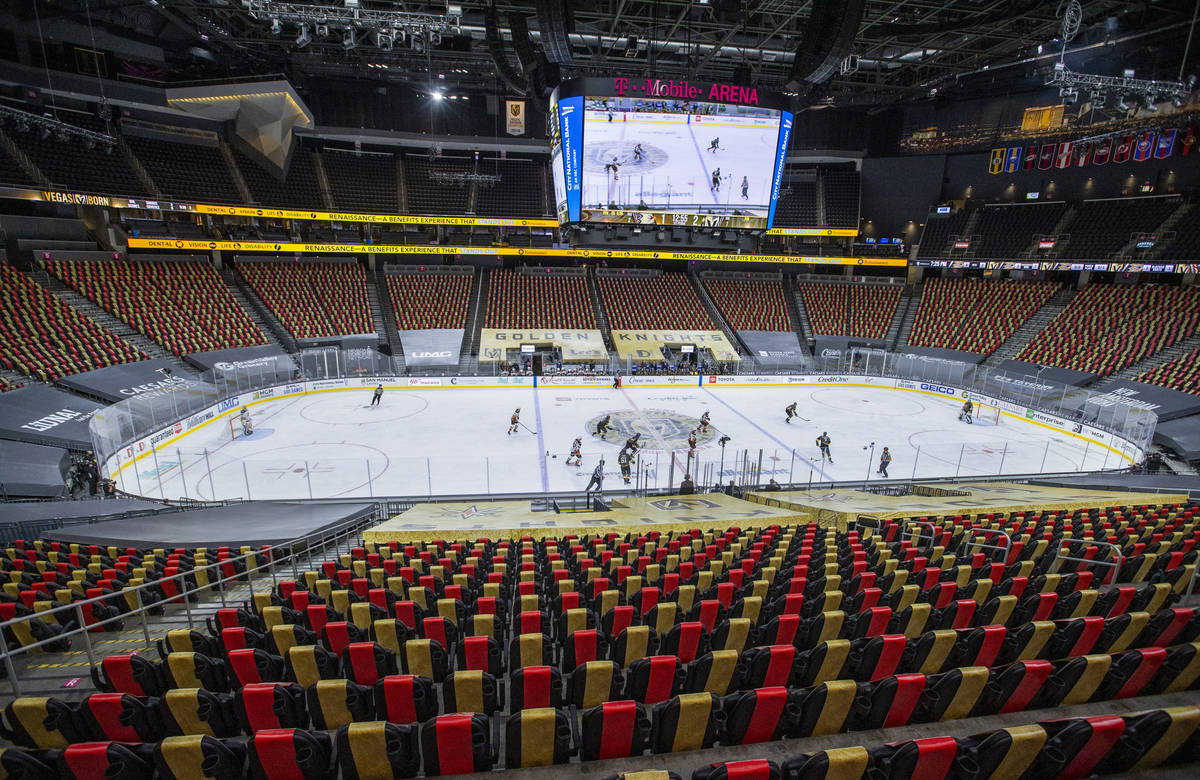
[968,412]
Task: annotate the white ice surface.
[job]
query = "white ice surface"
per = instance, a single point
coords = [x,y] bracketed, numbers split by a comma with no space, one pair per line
[454,442]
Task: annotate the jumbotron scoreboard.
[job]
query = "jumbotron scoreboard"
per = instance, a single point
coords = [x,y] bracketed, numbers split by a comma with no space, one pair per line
[664,153]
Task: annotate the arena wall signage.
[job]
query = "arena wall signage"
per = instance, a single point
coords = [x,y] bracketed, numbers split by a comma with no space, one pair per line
[639,345]
[1166,403]
[772,346]
[43,415]
[229,364]
[145,379]
[578,346]
[432,346]
[170,244]
[1059,265]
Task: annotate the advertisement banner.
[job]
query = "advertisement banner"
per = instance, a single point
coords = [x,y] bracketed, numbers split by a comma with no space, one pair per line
[640,345]
[574,381]
[1166,403]
[229,364]
[785,134]
[43,415]
[570,122]
[578,346]
[514,117]
[773,347]
[146,378]
[660,381]
[432,346]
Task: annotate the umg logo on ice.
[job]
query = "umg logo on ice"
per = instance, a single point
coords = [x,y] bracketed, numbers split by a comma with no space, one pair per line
[657,426]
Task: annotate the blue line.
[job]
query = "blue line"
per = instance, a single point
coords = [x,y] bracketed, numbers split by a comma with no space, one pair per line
[537,416]
[770,436]
[704,166]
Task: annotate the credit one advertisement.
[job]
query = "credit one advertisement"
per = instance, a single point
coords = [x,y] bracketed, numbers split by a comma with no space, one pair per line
[661,162]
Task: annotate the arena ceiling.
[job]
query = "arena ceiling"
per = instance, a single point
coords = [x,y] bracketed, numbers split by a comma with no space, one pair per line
[906,49]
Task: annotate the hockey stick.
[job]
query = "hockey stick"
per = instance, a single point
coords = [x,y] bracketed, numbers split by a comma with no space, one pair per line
[526,427]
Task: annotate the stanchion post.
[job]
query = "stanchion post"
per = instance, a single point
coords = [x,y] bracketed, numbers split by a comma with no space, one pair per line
[212,493]
[308,478]
[1003,455]
[182,475]
[960,457]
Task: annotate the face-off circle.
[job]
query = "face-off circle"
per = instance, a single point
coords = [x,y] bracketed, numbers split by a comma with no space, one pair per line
[600,155]
[655,425]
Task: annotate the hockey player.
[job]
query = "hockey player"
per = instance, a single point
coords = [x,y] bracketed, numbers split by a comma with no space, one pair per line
[576,453]
[602,428]
[692,443]
[745,188]
[633,443]
[716,180]
[377,395]
[704,422]
[616,382]
[790,411]
[623,460]
[968,412]
[823,443]
[714,145]
[514,421]
[638,152]
[885,459]
[247,423]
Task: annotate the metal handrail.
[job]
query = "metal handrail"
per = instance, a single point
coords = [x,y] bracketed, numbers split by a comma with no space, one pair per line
[1058,556]
[297,547]
[905,533]
[1005,548]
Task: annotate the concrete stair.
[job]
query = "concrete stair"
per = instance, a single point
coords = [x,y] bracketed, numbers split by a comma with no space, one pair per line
[907,301]
[598,308]
[1166,231]
[468,362]
[235,173]
[382,313]
[401,187]
[323,181]
[257,311]
[797,312]
[23,160]
[1021,337]
[138,169]
[710,306]
[907,318]
[97,314]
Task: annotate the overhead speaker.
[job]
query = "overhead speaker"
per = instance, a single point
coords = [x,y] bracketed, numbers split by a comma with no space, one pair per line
[495,44]
[545,78]
[827,40]
[527,54]
[742,74]
[556,23]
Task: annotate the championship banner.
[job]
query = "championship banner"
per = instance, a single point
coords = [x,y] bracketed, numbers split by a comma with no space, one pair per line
[1083,154]
[1189,140]
[1012,160]
[647,344]
[1031,158]
[1124,148]
[1066,152]
[996,163]
[514,117]
[1145,146]
[171,244]
[1103,151]
[1165,145]
[578,346]
[1047,157]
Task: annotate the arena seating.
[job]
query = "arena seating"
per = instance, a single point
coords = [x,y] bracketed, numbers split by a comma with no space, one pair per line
[797,207]
[841,309]
[184,306]
[609,645]
[1186,244]
[423,301]
[426,196]
[538,300]
[11,173]
[664,302]
[975,315]
[313,300]
[517,194]
[71,164]
[1182,373]
[1104,226]
[841,186]
[1107,327]
[361,182]
[298,191]
[186,171]
[750,305]
[43,337]
[937,232]
[1008,230]
[6,385]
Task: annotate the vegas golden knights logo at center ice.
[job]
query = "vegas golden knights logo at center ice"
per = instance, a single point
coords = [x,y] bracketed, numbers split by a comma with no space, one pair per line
[657,426]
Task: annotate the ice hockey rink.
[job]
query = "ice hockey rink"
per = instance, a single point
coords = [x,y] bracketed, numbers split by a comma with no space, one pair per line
[676,167]
[453,441]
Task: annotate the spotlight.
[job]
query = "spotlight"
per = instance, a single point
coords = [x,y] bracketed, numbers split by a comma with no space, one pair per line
[323,30]
[1148,104]
[383,41]
[1097,99]
[1177,101]
[1122,106]
[436,96]
[349,39]
[435,38]
[304,38]
[276,27]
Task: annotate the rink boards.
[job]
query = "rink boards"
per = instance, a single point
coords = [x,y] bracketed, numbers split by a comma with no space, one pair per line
[735,400]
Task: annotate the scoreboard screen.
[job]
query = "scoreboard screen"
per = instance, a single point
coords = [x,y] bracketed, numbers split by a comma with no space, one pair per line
[663,154]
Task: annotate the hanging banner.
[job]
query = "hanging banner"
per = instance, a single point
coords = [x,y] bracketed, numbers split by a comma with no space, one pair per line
[1103,151]
[1046,159]
[1165,145]
[514,117]
[1124,147]
[1012,160]
[1145,146]
[996,163]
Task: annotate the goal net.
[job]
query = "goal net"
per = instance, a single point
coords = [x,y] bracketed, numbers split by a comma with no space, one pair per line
[986,414]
